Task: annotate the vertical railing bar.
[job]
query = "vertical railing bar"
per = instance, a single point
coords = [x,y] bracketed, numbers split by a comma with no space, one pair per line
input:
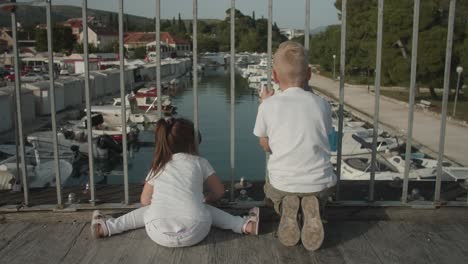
[88,102]
[158,57]
[19,114]
[58,179]
[195,70]
[377,99]
[409,136]
[233,87]
[443,123]
[123,104]
[341,97]
[307,28]
[270,42]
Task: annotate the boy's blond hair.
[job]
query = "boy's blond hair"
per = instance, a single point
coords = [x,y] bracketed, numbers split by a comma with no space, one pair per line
[290,63]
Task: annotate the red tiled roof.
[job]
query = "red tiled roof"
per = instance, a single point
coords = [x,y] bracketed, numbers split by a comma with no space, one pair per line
[168,38]
[139,37]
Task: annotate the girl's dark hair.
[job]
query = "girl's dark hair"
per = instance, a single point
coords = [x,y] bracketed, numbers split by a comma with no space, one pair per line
[175,135]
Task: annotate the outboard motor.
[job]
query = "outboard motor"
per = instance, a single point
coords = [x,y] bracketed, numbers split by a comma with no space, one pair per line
[108,143]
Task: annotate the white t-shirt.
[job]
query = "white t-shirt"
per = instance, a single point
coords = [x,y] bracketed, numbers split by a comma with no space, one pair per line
[178,189]
[297,124]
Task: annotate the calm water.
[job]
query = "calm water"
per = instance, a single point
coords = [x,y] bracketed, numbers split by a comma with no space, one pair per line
[214,120]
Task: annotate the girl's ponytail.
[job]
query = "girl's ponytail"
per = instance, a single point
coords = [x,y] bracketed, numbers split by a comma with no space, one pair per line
[162,151]
[175,135]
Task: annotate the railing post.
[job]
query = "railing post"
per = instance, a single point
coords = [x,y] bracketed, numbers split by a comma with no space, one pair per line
[270,42]
[269,69]
[195,70]
[19,114]
[158,57]
[341,97]
[58,179]
[88,102]
[443,123]
[377,99]
[409,136]
[123,107]
[307,28]
[233,87]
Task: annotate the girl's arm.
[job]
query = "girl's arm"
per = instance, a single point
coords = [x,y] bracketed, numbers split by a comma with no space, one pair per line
[145,198]
[216,188]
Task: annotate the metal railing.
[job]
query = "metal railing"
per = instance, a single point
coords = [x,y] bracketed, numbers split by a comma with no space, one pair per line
[93,199]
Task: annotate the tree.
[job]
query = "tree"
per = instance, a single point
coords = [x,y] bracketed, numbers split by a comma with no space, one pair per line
[63,39]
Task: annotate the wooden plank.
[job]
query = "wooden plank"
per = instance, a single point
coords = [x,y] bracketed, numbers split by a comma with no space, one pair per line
[131,247]
[439,246]
[394,245]
[197,254]
[329,252]
[9,231]
[224,241]
[46,243]
[351,242]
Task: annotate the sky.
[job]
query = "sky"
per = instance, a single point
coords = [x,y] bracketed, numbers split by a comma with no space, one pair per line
[286,13]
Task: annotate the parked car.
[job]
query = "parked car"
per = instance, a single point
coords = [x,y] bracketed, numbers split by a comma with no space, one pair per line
[32,77]
[10,77]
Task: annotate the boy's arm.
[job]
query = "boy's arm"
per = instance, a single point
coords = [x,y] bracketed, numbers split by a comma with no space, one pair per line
[264,144]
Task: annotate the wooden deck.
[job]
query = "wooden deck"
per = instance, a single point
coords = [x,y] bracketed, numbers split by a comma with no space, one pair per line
[67,239]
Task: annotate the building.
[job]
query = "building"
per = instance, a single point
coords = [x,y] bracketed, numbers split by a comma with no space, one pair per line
[3,46]
[134,40]
[25,39]
[291,33]
[171,46]
[181,46]
[100,37]
[76,25]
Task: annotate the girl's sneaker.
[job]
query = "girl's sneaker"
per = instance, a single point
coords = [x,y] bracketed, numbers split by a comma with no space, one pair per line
[98,225]
[253,217]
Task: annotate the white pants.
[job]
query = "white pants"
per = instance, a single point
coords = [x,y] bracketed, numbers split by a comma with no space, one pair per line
[175,232]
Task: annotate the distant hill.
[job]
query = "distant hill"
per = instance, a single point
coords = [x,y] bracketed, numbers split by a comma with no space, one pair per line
[32,15]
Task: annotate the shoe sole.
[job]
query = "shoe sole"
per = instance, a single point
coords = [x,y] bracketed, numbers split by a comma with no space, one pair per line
[312,233]
[288,229]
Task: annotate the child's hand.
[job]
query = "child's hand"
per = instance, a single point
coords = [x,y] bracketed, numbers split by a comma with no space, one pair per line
[264,94]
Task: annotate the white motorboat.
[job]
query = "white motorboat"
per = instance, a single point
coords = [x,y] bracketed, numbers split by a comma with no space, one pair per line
[105,141]
[357,139]
[40,169]
[141,108]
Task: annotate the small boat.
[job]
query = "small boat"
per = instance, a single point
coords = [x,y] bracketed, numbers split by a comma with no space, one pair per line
[141,107]
[105,142]
[40,170]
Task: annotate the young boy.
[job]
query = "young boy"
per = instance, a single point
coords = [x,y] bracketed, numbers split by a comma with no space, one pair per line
[294,127]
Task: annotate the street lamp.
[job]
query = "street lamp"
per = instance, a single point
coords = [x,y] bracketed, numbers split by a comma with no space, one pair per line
[459,71]
[334,57]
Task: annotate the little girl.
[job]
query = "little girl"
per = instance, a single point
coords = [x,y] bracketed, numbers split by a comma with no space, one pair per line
[174,211]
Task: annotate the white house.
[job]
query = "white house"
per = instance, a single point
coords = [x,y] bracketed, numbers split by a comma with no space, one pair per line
[100,37]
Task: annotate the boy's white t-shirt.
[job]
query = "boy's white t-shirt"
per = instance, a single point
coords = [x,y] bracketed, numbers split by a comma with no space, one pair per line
[178,189]
[297,124]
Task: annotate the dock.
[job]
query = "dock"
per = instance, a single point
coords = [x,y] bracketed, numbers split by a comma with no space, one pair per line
[353,235]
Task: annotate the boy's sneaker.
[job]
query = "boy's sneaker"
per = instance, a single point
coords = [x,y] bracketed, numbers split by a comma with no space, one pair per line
[312,233]
[288,229]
